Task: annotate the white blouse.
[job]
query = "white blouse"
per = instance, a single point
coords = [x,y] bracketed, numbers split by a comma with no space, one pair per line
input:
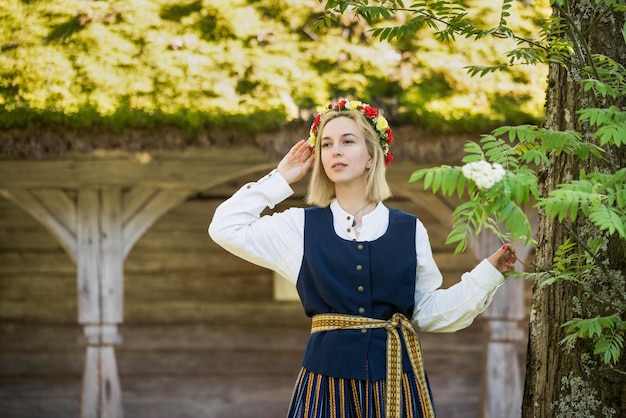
[277,242]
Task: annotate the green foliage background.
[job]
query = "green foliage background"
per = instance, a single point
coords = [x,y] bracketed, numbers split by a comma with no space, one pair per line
[250,64]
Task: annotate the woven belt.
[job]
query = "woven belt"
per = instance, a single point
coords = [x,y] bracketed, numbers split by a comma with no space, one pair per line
[331,322]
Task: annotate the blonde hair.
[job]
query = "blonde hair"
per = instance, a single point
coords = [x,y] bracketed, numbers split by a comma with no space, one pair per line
[321,190]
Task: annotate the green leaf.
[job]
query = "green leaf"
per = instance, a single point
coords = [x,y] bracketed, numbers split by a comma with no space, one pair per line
[417,175]
[609,219]
[428,179]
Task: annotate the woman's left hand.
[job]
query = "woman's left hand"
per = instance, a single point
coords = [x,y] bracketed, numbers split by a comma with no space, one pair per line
[294,166]
[504,258]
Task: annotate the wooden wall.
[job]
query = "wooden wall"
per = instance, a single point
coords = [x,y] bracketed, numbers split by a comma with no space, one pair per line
[202,334]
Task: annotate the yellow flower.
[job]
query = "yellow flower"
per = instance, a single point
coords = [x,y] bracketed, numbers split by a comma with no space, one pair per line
[381,123]
[353,105]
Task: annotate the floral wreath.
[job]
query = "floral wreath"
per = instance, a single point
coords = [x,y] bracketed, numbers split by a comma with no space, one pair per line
[378,122]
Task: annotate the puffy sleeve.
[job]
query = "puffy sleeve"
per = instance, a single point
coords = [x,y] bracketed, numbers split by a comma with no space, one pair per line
[454,308]
[271,241]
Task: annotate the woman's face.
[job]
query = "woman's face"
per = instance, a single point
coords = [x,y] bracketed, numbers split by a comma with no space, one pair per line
[344,154]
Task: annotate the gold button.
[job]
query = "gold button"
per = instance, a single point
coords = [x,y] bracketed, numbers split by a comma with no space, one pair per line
[360,246]
[360,288]
[348,230]
[361,310]
[359,267]
[348,218]
[363,331]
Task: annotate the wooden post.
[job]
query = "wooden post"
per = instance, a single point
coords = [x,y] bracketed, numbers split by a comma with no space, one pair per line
[98,228]
[100,290]
[101,392]
[502,386]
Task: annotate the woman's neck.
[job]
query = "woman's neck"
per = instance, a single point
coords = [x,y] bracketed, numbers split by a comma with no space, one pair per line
[352,203]
[351,199]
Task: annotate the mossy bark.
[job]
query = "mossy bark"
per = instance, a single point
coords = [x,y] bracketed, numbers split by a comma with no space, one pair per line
[574,382]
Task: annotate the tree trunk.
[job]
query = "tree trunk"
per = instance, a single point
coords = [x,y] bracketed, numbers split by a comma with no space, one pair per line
[561,382]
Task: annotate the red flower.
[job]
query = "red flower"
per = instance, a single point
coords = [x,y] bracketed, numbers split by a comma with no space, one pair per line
[316,122]
[341,104]
[389,136]
[388,159]
[370,112]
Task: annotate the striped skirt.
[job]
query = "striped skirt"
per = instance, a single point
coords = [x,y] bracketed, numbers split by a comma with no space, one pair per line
[319,396]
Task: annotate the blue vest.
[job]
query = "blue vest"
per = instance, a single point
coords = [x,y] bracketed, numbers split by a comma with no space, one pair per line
[374,279]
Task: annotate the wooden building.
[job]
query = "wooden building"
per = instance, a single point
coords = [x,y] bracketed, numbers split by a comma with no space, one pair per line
[115,302]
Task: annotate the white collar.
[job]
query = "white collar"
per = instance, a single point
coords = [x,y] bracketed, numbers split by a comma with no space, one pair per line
[373,225]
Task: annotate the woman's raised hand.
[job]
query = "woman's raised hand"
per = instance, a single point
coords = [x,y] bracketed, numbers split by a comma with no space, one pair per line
[504,258]
[297,162]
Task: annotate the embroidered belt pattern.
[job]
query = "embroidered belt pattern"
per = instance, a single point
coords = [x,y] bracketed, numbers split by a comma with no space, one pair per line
[331,322]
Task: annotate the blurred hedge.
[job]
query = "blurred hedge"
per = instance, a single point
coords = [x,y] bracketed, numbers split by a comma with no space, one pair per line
[250,64]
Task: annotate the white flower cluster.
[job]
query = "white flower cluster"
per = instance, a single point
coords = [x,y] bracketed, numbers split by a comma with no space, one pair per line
[485,175]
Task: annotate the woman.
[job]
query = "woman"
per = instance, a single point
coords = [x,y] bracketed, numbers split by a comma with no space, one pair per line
[364,272]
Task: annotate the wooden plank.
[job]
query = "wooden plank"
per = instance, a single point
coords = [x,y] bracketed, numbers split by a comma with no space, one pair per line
[36,337]
[43,338]
[212,263]
[29,287]
[28,239]
[197,287]
[176,240]
[52,362]
[231,337]
[52,311]
[20,262]
[156,363]
[253,313]
[208,362]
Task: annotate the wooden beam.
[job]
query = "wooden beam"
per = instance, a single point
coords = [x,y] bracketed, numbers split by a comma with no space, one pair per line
[135,199]
[53,208]
[166,171]
[142,211]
